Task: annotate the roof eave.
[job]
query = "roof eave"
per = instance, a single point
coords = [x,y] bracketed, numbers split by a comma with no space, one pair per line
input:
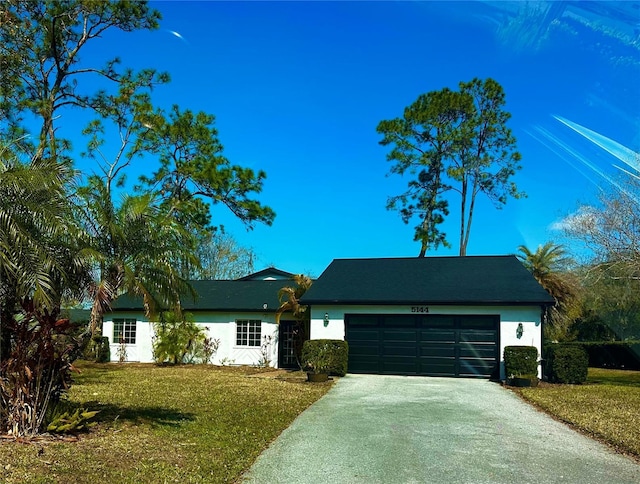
[369,302]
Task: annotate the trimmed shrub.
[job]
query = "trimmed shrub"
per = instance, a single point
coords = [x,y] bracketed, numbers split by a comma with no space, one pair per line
[567,363]
[325,356]
[521,361]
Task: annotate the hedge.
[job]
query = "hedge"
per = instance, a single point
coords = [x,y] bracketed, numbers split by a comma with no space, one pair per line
[566,363]
[609,354]
[521,361]
[330,354]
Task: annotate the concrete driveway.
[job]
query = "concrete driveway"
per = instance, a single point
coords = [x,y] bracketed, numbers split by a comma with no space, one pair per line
[394,429]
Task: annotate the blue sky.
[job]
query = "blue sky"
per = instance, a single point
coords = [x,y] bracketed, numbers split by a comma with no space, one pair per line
[298,89]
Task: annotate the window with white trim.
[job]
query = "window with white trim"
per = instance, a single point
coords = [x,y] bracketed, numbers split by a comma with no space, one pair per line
[248,332]
[124,329]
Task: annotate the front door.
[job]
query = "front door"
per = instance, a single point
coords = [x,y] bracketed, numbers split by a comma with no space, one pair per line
[286,345]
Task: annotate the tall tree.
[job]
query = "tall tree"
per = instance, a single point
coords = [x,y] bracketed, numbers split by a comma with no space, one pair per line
[40,46]
[549,265]
[451,141]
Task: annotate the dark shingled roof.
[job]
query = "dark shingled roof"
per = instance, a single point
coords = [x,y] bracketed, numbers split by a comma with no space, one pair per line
[223,296]
[427,280]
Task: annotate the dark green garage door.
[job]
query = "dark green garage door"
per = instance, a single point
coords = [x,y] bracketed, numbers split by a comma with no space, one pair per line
[434,345]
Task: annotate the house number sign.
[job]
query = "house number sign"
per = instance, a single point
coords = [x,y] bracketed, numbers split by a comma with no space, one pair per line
[419,309]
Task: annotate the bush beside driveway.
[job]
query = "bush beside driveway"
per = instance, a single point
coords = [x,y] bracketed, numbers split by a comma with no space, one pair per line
[388,429]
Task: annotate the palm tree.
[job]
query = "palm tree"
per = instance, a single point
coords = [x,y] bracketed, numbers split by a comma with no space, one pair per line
[37,257]
[548,264]
[289,298]
[134,247]
[40,264]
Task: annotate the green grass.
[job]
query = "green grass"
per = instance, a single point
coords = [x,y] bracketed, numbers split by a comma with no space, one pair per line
[164,424]
[607,406]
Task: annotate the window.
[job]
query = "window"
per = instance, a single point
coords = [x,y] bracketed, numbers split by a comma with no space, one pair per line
[124,328]
[248,332]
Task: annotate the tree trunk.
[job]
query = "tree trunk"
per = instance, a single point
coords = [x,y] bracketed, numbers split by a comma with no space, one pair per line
[463,209]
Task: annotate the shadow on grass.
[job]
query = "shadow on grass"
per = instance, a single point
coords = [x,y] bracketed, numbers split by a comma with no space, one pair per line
[152,416]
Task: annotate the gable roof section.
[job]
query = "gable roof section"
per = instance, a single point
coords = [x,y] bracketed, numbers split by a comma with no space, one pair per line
[268,274]
[427,280]
[240,295]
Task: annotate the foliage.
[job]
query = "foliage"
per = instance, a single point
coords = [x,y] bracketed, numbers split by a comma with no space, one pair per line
[612,300]
[289,298]
[208,349]
[71,422]
[265,352]
[606,407]
[121,350]
[325,356]
[192,166]
[40,265]
[176,337]
[133,246]
[611,354]
[520,361]
[566,363]
[451,141]
[164,424]
[41,46]
[549,265]
[38,256]
[98,349]
[220,257]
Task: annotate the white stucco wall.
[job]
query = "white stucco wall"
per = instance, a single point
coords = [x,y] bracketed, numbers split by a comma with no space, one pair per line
[220,326]
[510,317]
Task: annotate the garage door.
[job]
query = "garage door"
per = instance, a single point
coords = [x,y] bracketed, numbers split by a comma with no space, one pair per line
[434,345]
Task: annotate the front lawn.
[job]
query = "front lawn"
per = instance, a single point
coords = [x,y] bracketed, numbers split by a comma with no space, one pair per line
[165,424]
[607,406]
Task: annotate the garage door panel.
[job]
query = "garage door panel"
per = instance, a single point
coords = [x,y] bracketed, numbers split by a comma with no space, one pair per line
[477,351]
[477,322]
[405,350]
[476,368]
[437,367]
[364,364]
[437,335]
[440,351]
[364,350]
[436,321]
[398,335]
[364,335]
[394,365]
[478,336]
[399,321]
